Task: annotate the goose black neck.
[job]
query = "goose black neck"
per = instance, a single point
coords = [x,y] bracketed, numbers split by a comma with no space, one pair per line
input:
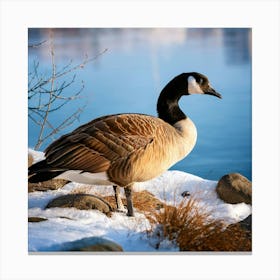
[167,106]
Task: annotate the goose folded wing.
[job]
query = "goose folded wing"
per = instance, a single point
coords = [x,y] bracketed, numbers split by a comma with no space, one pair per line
[93,152]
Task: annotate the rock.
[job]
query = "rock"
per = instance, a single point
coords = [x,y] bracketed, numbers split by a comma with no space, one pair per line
[185,194]
[91,244]
[36,219]
[247,223]
[234,188]
[52,184]
[82,202]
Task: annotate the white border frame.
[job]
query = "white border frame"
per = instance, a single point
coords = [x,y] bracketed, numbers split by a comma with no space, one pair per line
[262,16]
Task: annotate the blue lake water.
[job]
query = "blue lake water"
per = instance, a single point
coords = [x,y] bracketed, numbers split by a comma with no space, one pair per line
[138,63]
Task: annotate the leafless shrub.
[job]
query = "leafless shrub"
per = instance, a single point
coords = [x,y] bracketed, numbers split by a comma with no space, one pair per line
[48,94]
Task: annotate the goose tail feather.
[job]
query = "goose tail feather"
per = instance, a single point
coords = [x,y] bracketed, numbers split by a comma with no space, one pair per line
[41,171]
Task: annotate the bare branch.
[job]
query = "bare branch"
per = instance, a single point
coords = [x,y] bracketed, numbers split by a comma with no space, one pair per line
[64,68]
[34,120]
[47,94]
[51,92]
[67,122]
[40,116]
[40,107]
[80,65]
[37,45]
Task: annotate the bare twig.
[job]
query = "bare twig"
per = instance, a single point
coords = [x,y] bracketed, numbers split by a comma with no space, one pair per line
[64,124]
[80,65]
[48,95]
[37,45]
[36,112]
[42,128]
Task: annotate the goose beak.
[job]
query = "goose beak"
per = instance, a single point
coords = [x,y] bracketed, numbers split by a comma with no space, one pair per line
[211,91]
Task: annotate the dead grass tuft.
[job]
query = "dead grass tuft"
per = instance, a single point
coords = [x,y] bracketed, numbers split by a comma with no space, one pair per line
[82,190]
[193,229]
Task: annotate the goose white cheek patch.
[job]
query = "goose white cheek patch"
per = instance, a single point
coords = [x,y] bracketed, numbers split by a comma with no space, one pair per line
[193,86]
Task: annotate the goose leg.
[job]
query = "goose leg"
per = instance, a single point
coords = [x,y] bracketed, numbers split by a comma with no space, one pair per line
[128,195]
[119,203]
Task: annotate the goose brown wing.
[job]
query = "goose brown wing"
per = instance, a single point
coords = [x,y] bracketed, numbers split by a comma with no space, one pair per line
[95,145]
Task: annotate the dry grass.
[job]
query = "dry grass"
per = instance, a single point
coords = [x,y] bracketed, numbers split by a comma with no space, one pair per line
[82,190]
[144,201]
[193,230]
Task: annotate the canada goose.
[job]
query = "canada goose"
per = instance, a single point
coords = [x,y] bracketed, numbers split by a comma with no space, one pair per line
[122,149]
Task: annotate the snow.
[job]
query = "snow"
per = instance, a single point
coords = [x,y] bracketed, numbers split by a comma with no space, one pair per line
[36,155]
[70,224]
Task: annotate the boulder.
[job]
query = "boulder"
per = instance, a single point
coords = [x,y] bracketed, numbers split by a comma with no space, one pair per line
[90,244]
[234,188]
[247,223]
[36,219]
[82,202]
[52,184]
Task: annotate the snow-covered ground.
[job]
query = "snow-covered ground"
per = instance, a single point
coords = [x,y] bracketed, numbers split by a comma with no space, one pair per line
[69,224]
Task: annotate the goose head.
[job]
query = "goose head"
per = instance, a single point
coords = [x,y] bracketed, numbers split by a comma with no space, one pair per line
[183,84]
[199,84]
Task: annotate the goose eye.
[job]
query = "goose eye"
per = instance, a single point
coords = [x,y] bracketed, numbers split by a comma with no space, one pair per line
[201,81]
